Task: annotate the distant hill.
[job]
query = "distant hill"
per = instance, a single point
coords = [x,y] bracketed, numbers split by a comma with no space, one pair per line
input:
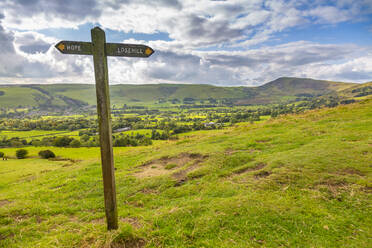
[287,88]
[80,95]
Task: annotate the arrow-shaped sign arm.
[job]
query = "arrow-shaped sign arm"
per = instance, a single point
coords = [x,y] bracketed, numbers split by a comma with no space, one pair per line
[112,49]
[128,50]
[74,47]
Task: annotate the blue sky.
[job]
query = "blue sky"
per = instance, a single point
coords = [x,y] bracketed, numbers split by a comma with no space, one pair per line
[236,42]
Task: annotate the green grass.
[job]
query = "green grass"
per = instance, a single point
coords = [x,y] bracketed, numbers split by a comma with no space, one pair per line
[13,94]
[170,166]
[295,181]
[37,134]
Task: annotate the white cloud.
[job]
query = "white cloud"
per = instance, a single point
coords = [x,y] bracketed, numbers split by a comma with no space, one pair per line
[216,26]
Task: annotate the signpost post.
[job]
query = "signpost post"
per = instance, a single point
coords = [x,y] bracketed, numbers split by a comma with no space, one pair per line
[100,50]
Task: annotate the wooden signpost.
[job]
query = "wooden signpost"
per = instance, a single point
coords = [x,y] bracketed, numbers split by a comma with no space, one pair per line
[100,50]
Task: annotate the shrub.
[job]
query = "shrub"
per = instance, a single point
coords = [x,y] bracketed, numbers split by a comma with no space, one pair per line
[47,154]
[1,154]
[21,153]
[62,141]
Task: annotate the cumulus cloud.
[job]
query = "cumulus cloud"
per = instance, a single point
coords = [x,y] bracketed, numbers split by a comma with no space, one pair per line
[213,42]
[39,14]
[252,67]
[30,55]
[32,42]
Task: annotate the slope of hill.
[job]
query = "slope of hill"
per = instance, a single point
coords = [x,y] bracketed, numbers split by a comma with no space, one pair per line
[295,181]
[78,95]
[287,88]
[359,91]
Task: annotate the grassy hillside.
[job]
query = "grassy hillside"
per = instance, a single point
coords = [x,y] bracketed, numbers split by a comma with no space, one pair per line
[12,94]
[295,181]
[360,91]
[137,94]
[287,88]
[64,95]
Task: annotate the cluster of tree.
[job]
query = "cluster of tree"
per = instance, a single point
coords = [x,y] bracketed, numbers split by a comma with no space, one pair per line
[363,91]
[188,100]
[88,132]
[126,122]
[201,106]
[21,153]
[137,140]
[12,142]
[134,110]
[47,154]
[155,135]
[62,141]
[315,103]
[241,117]
[85,141]
[47,124]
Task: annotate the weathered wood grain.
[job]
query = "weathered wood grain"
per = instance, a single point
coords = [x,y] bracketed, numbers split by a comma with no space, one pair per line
[105,130]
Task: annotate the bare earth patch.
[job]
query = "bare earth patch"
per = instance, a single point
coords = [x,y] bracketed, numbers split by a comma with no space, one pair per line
[134,222]
[367,189]
[4,202]
[159,167]
[262,174]
[155,169]
[351,171]
[20,218]
[129,243]
[181,176]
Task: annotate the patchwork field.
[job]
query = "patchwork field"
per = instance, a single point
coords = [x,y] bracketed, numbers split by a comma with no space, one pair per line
[293,181]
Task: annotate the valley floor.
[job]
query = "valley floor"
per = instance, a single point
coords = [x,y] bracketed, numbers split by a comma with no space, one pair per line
[294,181]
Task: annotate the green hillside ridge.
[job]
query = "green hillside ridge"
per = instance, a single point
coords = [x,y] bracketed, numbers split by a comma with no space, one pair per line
[282,89]
[295,181]
[357,91]
[287,88]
